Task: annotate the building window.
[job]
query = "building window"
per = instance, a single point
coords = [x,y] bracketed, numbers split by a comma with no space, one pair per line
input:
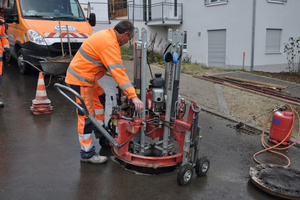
[215,2]
[277,1]
[273,40]
[185,41]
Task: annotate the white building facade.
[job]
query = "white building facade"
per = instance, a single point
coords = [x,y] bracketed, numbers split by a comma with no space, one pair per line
[230,34]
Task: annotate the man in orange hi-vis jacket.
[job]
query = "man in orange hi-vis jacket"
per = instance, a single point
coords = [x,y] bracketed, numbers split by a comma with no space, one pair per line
[98,54]
[4,45]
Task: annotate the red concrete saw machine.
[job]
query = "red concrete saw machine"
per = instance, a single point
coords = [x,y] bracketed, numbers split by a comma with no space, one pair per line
[166,132]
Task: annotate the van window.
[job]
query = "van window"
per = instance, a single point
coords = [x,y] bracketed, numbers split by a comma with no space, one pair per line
[76,10]
[63,10]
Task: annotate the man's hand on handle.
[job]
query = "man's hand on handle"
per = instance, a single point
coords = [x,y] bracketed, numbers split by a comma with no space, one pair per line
[139,105]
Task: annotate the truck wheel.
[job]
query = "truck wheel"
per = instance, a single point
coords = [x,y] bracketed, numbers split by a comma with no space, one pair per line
[24,68]
[185,174]
[202,166]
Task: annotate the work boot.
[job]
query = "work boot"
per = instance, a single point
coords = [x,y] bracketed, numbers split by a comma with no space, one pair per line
[1,104]
[96,159]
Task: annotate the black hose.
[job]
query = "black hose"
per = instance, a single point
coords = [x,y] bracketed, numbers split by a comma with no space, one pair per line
[167,48]
[152,130]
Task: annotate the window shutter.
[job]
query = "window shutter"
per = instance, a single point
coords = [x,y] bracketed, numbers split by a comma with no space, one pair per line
[273,37]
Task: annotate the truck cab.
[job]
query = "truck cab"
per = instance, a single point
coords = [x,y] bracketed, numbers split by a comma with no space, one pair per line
[38,28]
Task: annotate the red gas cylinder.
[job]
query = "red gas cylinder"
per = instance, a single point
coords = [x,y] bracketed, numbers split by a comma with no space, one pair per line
[281,125]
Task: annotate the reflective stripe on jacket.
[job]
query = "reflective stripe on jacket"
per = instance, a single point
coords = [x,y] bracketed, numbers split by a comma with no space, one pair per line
[3,34]
[97,55]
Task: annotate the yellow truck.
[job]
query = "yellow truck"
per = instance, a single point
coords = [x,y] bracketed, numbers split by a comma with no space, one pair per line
[37,28]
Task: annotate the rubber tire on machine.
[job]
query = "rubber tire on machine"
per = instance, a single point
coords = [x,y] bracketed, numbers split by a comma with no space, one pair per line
[104,142]
[185,174]
[202,166]
[24,68]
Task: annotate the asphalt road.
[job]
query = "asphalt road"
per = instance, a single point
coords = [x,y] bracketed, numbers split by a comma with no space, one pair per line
[39,155]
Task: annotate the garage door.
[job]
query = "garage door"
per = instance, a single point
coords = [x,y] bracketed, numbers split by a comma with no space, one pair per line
[217,48]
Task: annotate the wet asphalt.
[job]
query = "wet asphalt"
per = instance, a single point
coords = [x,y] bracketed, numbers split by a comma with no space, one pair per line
[39,155]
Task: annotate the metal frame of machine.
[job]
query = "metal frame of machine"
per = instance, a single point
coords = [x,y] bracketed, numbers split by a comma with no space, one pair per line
[158,136]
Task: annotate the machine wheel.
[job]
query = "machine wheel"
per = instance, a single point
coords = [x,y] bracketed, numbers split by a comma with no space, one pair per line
[24,68]
[202,166]
[104,142]
[185,174]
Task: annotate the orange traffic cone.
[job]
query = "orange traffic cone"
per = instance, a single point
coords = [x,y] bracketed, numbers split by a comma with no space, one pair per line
[41,104]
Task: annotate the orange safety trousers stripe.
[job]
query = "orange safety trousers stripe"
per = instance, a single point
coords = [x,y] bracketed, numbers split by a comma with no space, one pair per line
[91,98]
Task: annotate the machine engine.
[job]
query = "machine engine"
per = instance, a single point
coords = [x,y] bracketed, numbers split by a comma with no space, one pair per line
[155,97]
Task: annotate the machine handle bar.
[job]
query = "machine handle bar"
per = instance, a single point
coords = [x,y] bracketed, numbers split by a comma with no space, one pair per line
[84,109]
[58,87]
[197,109]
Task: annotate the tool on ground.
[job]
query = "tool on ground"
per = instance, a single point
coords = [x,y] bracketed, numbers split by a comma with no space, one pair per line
[158,137]
[240,124]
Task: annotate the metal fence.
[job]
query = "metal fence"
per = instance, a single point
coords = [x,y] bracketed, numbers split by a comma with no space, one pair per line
[277,1]
[156,12]
[136,12]
[214,2]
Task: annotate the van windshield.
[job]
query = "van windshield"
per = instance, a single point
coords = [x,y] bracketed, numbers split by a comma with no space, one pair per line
[63,10]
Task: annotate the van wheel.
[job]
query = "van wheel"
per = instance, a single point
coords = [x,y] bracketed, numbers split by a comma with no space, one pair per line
[23,67]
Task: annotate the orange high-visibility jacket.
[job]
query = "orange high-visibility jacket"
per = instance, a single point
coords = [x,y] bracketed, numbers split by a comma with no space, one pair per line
[3,35]
[97,55]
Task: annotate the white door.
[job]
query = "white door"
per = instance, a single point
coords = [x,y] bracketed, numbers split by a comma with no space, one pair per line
[217,48]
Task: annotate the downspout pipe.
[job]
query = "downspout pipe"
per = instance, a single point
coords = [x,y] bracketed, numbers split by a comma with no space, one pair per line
[133,12]
[253,34]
